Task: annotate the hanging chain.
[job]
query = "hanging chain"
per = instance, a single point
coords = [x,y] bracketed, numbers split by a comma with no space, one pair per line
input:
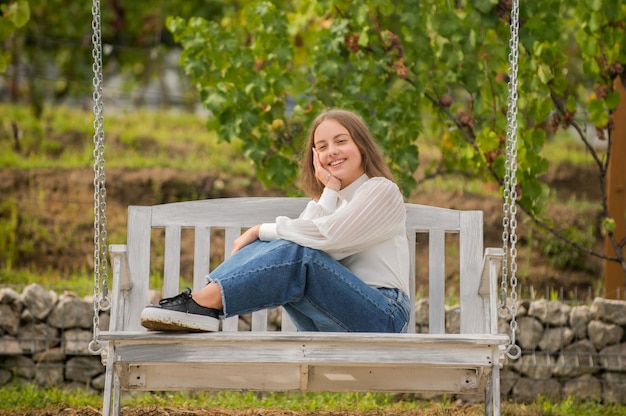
[509,221]
[101,300]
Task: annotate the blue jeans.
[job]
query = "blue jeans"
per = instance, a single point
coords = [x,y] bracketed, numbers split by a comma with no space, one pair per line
[318,292]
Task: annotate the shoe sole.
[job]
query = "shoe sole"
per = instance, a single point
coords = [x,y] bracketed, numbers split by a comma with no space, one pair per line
[158,319]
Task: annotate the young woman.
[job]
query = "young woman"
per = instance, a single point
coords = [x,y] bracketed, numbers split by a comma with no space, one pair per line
[343,265]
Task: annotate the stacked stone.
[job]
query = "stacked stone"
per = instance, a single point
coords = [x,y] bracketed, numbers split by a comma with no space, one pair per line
[566,350]
[569,351]
[44,339]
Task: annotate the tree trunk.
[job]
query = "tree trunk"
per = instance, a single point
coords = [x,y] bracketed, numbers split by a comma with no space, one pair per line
[614,274]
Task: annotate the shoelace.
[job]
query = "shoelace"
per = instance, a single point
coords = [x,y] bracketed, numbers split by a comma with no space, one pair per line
[184,296]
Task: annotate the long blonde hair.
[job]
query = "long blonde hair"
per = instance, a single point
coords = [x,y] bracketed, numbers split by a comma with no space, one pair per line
[373,161]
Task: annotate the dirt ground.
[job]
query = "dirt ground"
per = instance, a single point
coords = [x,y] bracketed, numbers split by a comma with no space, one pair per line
[460,410]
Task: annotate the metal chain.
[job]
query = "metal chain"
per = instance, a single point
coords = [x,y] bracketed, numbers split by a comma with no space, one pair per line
[101,300]
[509,221]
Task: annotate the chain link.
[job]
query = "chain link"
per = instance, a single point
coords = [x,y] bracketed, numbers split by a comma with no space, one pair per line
[509,221]
[100,297]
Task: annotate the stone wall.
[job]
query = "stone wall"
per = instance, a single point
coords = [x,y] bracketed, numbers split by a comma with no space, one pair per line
[569,351]
[566,350]
[44,339]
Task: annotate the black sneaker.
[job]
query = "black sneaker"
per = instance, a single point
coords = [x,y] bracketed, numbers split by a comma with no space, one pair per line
[180,313]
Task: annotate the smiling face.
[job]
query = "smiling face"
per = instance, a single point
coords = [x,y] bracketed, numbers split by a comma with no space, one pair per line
[338,152]
[358,154]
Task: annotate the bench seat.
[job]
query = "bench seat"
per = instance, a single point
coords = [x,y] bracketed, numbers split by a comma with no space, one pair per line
[284,361]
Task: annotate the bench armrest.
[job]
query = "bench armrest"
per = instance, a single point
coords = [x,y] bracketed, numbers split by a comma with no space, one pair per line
[488,289]
[118,255]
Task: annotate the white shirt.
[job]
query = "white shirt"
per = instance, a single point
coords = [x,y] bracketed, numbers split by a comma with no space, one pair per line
[363,226]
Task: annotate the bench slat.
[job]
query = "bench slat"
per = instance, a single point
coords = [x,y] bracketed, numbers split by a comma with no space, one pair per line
[454,355]
[301,337]
[231,234]
[284,377]
[171,266]
[139,234]
[226,212]
[436,281]
[470,262]
[201,256]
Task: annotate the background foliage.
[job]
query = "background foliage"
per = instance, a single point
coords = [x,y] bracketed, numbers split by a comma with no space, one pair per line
[264,71]
[415,70]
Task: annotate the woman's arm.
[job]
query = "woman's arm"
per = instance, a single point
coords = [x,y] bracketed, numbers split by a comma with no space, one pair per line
[249,236]
[375,213]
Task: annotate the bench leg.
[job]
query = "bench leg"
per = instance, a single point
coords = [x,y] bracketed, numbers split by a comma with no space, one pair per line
[108,384]
[492,393]
[111,401]
[116,396]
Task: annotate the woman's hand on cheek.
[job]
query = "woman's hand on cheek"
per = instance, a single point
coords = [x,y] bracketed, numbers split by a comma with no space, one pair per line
[323,175]
[320,172]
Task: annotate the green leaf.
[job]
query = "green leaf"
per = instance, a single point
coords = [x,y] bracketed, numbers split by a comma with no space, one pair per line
[446,23]
[571,104]
[544,73]
[484,6]
[215,102]
[594,5]
[19,13]
[487,140]
[612,100]
[609,224]
[385,7]
[598,114]
[364,39]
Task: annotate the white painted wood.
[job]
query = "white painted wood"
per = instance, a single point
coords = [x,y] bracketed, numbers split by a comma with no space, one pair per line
[436,281]
[287,324]
[171,266]
[231,234]
[119,264]
[444,355]
[121,285]
[259,321]
[404,378]
[411,240]
[201,256]
[138,247]
[220,377]
[488,289]
[492,392]
[424,218]
[287,360]
[470,252]
[108,386]
[226,212]
[289,377]
[142,337]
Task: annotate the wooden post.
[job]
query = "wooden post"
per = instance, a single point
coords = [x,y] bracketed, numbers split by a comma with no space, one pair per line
[614,275]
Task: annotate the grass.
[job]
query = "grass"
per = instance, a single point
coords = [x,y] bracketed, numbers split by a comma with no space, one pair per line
[20,398]
[63,138]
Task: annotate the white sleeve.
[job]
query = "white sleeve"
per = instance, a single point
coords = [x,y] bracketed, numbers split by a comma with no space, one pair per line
[326,205]
[375,213]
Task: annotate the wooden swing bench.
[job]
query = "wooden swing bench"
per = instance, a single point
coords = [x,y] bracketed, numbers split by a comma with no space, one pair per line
[286,360]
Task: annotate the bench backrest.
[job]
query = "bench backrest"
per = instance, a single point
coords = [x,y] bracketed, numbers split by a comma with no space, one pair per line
[131,285]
